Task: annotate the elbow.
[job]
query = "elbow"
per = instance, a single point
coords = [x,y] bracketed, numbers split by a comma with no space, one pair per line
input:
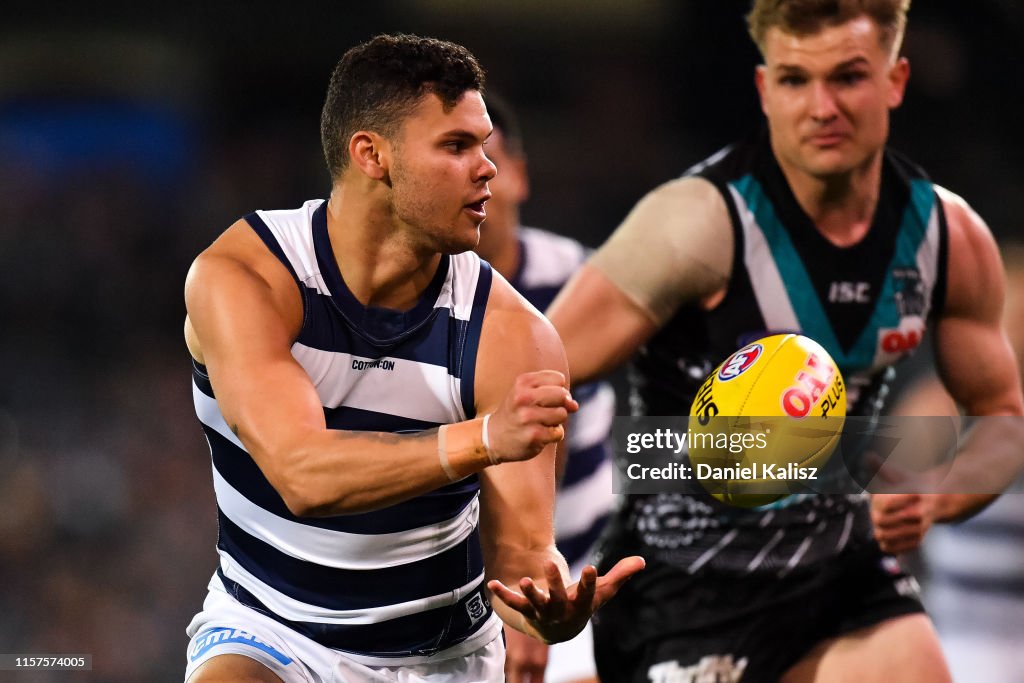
[300,504]
[309,486]
[298,488]
[305,496]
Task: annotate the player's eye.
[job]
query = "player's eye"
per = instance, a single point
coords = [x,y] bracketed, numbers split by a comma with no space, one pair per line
[851,77]
[792,80]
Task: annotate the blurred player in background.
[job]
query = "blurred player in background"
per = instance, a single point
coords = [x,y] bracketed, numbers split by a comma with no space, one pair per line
[975,570]
[537,263]
[811,225]
[382,412]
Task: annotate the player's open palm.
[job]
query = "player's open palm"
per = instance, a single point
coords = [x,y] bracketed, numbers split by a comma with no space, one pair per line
[531,416]
[559,613]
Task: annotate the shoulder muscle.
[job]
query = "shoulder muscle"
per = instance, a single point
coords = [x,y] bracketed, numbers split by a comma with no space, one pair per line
[681,233]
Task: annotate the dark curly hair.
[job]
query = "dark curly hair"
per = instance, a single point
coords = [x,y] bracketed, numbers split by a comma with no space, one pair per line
[375,85]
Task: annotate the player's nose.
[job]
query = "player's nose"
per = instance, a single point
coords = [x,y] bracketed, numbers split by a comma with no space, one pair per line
[823,102]
[486,169]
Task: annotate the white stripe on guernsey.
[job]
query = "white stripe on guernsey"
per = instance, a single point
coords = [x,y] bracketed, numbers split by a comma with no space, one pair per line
[769,290]
[209,414]
[759,558]
[590,425]
[712,551]
[928,258]
[296,610]
[419,391]
[845,536]
[293,229]
[802,550]
[579,506]
[463,274]
[339,549]
[550,258]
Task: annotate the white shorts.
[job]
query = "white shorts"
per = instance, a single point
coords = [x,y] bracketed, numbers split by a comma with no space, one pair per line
[572,660]
[226,626]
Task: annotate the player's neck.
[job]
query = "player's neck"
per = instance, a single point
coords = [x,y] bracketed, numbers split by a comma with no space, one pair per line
[841,206]
[381,265]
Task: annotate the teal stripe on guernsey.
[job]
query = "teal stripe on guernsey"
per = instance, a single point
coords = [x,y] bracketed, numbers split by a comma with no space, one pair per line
[808,308]
[799,288]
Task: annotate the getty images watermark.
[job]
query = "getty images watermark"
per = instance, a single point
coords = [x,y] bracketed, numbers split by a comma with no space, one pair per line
[783,455]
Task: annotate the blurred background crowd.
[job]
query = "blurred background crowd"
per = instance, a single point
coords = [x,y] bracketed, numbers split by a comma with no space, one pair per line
[131,135]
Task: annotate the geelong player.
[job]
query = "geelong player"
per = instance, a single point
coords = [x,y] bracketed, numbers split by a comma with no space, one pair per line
[809,225]
[382,409]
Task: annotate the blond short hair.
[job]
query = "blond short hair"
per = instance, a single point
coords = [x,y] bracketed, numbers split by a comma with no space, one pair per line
[804,17]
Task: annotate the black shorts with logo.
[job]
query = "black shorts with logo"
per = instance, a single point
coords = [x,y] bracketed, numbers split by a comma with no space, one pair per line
[667,626]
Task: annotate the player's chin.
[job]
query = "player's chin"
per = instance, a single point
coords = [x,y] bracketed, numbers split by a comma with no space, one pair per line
[829,165]
[825,162]
[461,239]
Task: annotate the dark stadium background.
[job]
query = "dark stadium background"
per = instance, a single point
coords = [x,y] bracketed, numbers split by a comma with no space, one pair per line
[131,134]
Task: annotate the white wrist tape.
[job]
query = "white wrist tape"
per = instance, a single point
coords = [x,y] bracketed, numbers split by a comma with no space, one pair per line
[442,453]
[485,437]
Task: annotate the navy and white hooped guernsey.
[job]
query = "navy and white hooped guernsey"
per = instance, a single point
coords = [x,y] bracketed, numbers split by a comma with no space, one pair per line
[389,587]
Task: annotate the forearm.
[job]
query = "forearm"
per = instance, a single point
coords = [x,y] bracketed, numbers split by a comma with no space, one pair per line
[989,459]
[334,472]
[957,507]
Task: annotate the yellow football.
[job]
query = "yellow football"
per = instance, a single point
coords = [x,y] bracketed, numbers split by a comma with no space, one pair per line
[767,420]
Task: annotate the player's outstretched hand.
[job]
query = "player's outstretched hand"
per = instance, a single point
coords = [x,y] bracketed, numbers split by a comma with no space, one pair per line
[559,613]
[531,416]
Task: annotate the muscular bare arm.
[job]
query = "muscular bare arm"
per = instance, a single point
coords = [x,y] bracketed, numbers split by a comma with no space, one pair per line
[244,312]
[978,367]
[517,498]
[977,363]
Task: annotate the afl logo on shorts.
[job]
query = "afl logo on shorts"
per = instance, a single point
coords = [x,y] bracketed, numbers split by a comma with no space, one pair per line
[740,362]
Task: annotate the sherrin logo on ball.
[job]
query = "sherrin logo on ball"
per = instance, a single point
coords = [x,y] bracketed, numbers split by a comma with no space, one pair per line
[767,420]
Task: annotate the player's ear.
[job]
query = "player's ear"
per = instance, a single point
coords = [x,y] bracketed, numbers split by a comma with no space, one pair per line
[369,152]
[759,76]
[899,74]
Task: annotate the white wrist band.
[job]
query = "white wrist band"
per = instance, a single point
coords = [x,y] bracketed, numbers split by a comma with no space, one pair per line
[442,453]
[487,440]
